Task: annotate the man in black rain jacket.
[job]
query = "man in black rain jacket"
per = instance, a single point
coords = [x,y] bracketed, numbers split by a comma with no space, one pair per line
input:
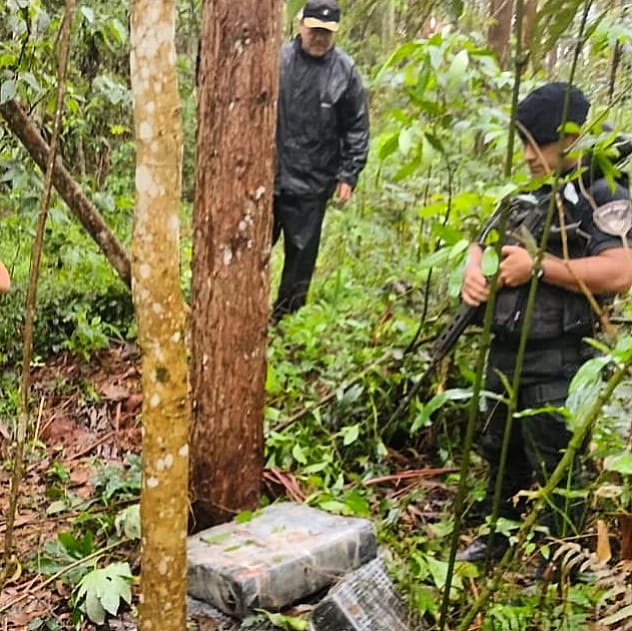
[322,144]
[597,221]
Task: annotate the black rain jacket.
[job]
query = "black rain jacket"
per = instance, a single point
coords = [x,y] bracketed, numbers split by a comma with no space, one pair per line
[322,123]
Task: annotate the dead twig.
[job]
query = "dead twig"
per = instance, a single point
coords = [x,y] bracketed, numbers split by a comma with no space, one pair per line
[413,473]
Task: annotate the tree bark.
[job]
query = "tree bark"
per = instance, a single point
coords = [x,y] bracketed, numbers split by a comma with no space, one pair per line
[160,315]
[231,249]
[20,124]
[501,14]
[529,20]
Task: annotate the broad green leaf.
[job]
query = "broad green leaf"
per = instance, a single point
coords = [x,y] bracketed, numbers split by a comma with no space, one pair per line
[589,374]
[93,608]
[350,434]
[30,80]
[423,77]
[103,589]
[457,69]
[69,542]
[455,394]
[405,141]
[388,145]
[408,169]
[8,60]
[438,258]
[7,90]
[357,504]
[118,31]
[87,13]
[621,464]
[299,454]
[489,262]
[128,522]
[435,143]
[404,51]
[317,467]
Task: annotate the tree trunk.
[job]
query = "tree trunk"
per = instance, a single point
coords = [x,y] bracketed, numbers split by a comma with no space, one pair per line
[20,124]
[238,84]
[501,14]
[160,315]
[528,23]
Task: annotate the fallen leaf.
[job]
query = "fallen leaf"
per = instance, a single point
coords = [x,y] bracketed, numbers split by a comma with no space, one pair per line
[112,392]
[80,476]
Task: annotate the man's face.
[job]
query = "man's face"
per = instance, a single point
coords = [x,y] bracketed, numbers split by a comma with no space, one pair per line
[549,158]
[316,41]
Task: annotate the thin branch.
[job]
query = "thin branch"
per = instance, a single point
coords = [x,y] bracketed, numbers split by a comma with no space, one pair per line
[64,45]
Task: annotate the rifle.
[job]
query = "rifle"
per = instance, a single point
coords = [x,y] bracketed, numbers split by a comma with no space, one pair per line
[465,316]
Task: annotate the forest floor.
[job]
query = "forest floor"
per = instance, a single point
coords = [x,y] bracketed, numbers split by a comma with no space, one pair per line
[86,419]
[86,426]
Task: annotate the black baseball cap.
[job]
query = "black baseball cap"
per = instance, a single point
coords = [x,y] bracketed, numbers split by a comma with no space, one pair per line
[540,112]
[322,14]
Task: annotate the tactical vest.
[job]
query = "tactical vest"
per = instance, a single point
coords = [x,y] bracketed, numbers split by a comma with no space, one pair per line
[556,311]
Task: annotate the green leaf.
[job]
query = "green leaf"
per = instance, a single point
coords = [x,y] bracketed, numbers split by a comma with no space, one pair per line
[435,143]
[404,51]
[87,13]
[388,145]
[244,517]
[298,454]
[489,262]
[357,504]
[350,434]
[454,394]
[589,374]
[69,542]
[423,77]
[93,608]
[285,622]
[118,31]
[7,90]
[103,589]
[621,464]
[128,522]
[456,71]
[30,80]
[405,141]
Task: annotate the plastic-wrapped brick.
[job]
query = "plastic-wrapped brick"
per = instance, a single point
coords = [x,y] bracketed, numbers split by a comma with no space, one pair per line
[282,555]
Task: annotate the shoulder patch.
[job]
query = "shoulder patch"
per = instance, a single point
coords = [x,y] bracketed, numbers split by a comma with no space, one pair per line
[615,217]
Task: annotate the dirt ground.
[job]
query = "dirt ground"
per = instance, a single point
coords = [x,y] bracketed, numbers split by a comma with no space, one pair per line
[85,416]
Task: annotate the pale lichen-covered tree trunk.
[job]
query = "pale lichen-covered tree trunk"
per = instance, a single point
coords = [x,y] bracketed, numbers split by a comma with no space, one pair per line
[238,84]
[160,316]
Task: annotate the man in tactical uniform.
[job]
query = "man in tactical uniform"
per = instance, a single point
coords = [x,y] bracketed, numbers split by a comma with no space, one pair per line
[597,225]
[322,144]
